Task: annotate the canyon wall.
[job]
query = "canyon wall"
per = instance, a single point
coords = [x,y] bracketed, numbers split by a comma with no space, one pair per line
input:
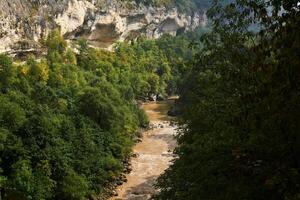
[23,23]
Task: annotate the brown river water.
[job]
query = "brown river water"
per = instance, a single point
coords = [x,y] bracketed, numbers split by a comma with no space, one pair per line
[154,154]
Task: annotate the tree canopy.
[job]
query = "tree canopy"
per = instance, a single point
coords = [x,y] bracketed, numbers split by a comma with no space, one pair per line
[240,102]
[68,120]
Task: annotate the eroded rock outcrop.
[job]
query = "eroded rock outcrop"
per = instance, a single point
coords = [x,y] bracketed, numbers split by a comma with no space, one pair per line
[103,22]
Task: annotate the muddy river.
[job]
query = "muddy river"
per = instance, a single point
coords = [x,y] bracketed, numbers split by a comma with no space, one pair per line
[154,154]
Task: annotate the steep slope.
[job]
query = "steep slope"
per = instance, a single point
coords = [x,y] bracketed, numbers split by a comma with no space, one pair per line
[24,22]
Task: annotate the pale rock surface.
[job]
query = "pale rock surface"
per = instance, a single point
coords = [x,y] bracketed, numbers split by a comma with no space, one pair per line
[103,22]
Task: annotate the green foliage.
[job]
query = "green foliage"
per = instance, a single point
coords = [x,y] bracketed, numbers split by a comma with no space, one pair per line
[156,66]
[65,128]
[6,72]
[240,108]
[55,42]
[68,120]
[74,186]
[12,116]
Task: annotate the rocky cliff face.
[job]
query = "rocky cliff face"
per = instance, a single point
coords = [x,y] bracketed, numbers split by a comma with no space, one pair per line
[103,22]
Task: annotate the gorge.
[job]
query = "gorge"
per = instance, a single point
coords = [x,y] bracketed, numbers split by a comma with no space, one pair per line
[85,87]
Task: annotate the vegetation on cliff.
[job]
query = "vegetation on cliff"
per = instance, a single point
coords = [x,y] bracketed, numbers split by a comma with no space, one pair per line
[182,5]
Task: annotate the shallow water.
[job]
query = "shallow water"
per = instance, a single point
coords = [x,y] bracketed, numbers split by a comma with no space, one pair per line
[154,154]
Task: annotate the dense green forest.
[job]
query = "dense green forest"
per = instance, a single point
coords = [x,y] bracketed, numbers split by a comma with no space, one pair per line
[240,105]
[68,120]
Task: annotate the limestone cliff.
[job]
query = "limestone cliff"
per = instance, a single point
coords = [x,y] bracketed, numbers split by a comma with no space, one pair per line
[103,22]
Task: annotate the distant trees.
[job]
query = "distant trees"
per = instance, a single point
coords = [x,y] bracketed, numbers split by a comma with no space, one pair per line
[157,65]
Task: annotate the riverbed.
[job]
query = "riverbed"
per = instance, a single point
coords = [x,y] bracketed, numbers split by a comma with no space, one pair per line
[153,154]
